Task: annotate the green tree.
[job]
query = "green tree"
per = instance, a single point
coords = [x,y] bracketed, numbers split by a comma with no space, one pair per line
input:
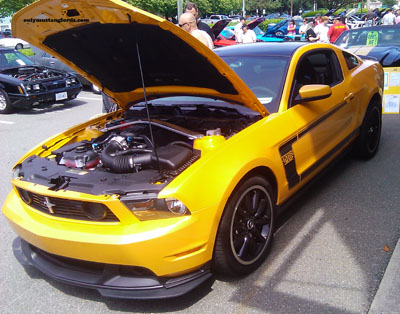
[8,8]
[389,3]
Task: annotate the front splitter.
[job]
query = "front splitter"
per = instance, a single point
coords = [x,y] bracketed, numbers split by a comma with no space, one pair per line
[113,281]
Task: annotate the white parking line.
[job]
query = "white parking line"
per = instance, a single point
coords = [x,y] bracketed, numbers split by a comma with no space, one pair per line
[7,122]
[89,98]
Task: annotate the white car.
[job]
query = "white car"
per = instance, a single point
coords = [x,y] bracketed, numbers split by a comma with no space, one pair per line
[15,43]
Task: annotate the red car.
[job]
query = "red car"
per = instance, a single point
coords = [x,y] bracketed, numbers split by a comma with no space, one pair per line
[226,35]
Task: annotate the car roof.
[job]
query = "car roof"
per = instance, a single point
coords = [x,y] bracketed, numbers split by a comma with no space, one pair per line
[285,49]
[371,28]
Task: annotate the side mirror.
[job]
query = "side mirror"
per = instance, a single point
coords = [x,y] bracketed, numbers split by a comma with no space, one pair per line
[313,92]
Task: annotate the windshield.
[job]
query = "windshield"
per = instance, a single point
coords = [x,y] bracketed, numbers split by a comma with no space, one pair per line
[264,75]
[227,33]
[376,37]
[13,59]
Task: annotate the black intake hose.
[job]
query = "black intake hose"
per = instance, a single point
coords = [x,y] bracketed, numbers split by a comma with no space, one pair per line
[122,164]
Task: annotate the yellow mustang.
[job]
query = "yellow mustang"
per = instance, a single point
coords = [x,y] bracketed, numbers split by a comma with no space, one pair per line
[188,177]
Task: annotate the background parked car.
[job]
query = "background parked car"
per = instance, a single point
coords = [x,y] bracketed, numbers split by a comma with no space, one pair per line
[280,28]
[226,37]
[214,18]
[24,84]
[382,43]
[14,43]
[43,58]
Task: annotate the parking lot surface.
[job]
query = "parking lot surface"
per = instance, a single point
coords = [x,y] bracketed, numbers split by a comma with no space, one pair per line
[328,256]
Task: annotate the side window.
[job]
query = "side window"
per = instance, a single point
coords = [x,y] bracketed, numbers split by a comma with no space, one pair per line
[318,67]
[351,60]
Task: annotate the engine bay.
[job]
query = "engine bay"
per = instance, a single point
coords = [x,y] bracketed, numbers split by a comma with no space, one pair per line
[33,73]
[132,153]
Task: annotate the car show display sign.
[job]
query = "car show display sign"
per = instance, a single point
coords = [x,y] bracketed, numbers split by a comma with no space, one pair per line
[391,99]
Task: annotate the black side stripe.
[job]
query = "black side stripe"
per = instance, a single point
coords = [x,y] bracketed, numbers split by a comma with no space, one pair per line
[287,154]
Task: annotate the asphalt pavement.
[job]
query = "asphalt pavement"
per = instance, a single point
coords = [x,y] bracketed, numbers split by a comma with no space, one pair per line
[335,251]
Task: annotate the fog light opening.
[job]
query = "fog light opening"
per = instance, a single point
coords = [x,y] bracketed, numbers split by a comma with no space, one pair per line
[95,211]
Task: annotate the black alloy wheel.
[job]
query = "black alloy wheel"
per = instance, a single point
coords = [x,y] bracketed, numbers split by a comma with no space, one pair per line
[367,143]
[246,228]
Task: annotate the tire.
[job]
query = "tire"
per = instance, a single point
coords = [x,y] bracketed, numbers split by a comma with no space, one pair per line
[367,142]
[5,103]
[279,33]
[246,228]
[18,46]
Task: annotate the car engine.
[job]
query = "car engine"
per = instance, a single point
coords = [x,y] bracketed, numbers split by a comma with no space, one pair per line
[129,155]
[32,74]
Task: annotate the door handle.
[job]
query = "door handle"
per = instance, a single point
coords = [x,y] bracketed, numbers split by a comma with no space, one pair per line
[349,97]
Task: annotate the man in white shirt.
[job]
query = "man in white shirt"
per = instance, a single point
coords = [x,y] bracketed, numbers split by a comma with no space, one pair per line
[389,18]
[248,35]
[238,29]
[187,22]
[321,30]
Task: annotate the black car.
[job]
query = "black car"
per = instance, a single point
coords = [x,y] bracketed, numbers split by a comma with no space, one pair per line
[24,84]
[377,42]
[43,58]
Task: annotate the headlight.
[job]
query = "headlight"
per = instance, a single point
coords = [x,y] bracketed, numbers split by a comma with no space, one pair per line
[155,208]
[17,172]
[28,88]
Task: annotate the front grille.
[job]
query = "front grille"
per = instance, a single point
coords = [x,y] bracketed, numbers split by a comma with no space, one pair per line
[64,208]
[55,86]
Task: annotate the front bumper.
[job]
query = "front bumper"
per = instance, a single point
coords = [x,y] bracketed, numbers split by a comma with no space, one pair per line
[29,100]
[114,281]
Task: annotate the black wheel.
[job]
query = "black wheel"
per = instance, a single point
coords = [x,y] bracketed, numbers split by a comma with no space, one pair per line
[246,229]
[5,103]
[18,46]
[367,142]
[279,33]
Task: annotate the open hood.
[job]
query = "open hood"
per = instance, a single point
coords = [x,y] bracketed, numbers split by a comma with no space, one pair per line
[110,42]
[219,26]
[254,23]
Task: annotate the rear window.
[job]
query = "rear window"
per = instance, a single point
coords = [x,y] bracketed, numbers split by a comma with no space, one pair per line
[351,60]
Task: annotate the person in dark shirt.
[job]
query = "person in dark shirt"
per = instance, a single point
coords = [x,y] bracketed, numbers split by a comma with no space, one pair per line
[310,34]
[191,7]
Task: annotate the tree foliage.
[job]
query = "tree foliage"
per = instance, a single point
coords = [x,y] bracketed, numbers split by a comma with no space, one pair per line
[8,8]
[389,3]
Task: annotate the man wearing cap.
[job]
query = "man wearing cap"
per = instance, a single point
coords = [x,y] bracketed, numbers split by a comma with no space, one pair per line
[336,29]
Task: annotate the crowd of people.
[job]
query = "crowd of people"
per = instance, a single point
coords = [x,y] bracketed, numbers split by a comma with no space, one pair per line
[315,30]
[318,30]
